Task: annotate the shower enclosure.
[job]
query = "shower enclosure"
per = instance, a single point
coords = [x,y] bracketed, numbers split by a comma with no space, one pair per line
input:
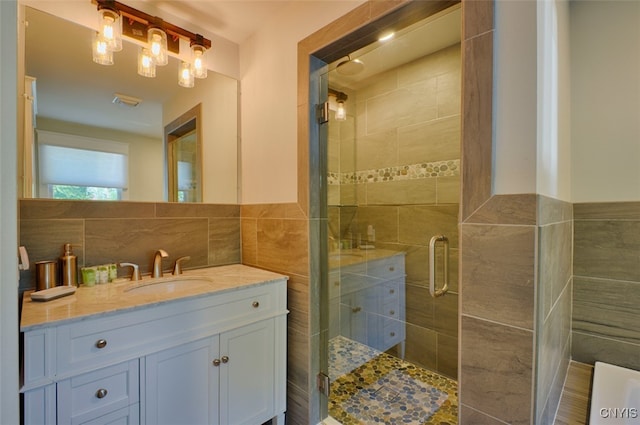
[393,167]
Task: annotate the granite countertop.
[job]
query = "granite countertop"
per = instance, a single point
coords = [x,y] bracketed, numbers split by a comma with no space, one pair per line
[118,297]
[347,257]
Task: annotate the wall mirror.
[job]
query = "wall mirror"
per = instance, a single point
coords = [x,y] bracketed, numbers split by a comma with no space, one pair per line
[93,105]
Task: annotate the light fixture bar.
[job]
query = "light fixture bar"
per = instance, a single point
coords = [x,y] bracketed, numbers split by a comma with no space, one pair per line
[147,19]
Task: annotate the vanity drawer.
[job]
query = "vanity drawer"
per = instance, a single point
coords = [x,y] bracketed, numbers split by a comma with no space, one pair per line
[104,341]
[386,268]
[91,395]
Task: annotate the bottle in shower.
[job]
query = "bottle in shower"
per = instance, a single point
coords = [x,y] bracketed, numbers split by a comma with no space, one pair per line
[69,267]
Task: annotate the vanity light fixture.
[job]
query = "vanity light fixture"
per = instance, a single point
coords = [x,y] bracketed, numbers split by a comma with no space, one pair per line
[159,38]
[157,45]
[198,51]
[110,25]
[186,75]
[146,64]
[340,109]
[100,50]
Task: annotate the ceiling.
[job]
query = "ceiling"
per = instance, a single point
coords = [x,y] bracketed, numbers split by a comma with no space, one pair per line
[70,87]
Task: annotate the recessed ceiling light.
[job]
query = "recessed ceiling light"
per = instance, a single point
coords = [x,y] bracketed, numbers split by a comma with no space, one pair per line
[386,36]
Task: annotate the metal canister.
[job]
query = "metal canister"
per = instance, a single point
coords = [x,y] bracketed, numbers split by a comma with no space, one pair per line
[46,274]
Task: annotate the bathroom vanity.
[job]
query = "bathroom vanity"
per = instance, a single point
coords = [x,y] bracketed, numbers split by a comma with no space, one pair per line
[208,347]
[369,286]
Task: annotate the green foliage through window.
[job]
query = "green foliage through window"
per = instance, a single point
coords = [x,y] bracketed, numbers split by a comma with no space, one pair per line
[84,192]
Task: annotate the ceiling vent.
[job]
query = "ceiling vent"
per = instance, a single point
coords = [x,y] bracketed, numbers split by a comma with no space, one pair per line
[123,99]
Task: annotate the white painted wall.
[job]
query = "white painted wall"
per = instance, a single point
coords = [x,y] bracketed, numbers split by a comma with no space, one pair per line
[268,69]
[554,135]
[515,90]
[9,401]
[605,86]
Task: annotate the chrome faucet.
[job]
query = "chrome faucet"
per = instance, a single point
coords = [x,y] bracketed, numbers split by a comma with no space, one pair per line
[157,262]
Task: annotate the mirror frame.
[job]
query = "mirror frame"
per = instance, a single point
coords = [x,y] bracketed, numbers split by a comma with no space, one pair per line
[173,132]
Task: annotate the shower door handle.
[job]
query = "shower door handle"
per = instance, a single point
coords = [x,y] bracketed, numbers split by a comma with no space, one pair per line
[432,266]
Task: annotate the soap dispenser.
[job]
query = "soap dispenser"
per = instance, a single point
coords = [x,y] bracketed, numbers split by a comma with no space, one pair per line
[69,267]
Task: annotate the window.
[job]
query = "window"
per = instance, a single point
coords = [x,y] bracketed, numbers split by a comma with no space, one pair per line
[75,167]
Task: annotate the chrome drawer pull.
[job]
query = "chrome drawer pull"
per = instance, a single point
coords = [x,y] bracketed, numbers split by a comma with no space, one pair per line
[392,334]
[392,312]
[255,304]
[101,393]
[101,343]
[356,309]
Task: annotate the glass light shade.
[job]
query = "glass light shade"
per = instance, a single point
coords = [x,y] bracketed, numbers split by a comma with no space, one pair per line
[157,40]
[185,75]
[100,49]
[341,112]
[146,64]
[110,28]
[198,62]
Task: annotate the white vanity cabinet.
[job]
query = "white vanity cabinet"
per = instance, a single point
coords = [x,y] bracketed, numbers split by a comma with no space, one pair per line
[215,358]
[372,302]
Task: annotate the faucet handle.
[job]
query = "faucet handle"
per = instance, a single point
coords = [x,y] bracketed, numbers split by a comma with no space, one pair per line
[135,274]
[177,268]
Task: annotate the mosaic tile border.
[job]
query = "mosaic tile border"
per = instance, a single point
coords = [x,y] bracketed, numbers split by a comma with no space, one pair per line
[424,170]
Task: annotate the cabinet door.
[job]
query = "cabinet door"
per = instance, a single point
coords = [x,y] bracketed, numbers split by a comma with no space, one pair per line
[247,374]
[181,384]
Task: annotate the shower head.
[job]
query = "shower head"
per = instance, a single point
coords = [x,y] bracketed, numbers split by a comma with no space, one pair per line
[350,66]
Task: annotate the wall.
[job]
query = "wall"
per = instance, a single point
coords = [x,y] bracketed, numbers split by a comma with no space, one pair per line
[407,186]
[110,232]
[9,384]
[553,313]
[605,137]
[268,62]
[606,283]
[605,104]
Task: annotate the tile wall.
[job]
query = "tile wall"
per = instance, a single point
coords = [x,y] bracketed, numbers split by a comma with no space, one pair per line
[555,242]
[606,283]
[399,172]
[111,232]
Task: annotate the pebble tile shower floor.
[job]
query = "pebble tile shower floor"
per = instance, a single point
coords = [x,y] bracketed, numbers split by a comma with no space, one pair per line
[372,387]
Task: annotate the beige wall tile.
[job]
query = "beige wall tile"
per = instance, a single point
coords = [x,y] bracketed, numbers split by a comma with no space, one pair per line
[477,135]
[607,249]
[49,208]
[507,209]
[434,65]
[449,92]
[283,245]
[410,105]
[224,241]
[249,232]
[136,240]
[421,346]
[377,150]
[432,141]
[470,416]
[448,356]
[448,190]
[417,191]
[497,368]
[418,224]
[588,348]
[420,307]
[499,270]
[607,211]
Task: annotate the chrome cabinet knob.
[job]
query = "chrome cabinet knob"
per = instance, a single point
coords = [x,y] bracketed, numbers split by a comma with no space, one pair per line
[225,359]
[255,304]
[101,393]
[356,309]
[392,312]
[216,362]
[101,343]
[392,334]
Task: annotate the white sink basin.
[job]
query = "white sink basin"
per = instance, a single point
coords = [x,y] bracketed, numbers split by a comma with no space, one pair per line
[165,285]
